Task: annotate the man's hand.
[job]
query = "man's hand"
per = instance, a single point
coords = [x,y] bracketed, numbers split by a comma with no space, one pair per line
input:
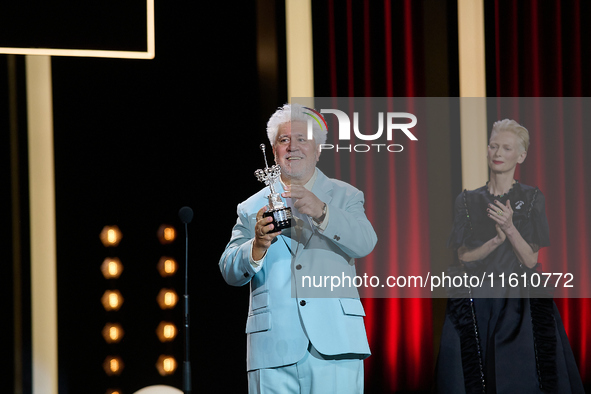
[304,201]
[262,235]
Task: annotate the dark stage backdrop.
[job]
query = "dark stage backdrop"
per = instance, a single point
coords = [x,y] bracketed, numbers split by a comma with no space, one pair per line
[135,141]
[541,49]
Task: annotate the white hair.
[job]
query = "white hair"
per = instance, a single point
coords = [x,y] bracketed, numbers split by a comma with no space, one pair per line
[294,113]
[514,127]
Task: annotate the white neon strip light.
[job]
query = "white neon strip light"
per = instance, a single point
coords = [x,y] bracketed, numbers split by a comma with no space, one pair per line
[149,54]
[300,64]
[473,92]
[43,226]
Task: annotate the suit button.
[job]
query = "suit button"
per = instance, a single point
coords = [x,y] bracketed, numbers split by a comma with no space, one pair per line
[336,237]
[303,303]
[246,274]
[299,267]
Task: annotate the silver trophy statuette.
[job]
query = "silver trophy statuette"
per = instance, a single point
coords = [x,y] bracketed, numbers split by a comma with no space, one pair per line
[282,216]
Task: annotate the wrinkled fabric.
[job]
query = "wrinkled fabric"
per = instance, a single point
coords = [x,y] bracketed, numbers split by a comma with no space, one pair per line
[501,339]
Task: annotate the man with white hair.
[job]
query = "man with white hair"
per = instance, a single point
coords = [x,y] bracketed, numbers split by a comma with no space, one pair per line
[299,341]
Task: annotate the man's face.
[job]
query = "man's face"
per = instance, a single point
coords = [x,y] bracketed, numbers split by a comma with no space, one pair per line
[295,154]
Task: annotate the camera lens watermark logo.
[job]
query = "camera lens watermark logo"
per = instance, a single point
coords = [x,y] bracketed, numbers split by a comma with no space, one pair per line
[389,122]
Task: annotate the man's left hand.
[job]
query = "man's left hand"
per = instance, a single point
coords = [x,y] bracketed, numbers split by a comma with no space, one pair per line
[304,201]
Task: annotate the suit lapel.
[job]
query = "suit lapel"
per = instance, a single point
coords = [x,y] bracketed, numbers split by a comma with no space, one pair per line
[297,237]
[288,243]
[322,188]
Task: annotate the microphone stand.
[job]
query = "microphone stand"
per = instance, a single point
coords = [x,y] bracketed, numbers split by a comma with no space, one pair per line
[186,363]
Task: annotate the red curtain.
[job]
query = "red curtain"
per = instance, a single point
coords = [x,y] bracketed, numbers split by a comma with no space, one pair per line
[374,49]
[534,49]
[540,50]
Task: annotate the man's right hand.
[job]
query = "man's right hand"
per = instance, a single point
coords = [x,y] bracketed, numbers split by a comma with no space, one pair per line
[262,236]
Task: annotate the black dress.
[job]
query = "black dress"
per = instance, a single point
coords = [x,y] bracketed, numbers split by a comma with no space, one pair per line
[502,339]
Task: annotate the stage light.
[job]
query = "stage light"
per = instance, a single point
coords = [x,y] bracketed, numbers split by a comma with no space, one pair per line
[113,332]
[111,268]
[166,234]
[166,331]
[113,365]
[113,391]
[167,298]
[112,300]
[111,236]
[167,266]
[166,365]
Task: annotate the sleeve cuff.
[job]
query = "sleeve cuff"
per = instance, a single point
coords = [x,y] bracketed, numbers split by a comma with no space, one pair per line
[256,264]
[322,226]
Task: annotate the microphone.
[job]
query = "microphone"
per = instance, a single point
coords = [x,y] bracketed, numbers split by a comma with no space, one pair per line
[186,215]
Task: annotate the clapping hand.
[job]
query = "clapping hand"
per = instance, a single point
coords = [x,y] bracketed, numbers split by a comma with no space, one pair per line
[502,215]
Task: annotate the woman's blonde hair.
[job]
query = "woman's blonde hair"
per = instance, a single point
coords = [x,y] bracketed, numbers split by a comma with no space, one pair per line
[514,127]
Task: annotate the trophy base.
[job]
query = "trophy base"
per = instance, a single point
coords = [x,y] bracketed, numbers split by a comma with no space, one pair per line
[282,219]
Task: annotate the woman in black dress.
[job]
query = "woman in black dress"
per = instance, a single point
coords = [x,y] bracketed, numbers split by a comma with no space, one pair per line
[502,339]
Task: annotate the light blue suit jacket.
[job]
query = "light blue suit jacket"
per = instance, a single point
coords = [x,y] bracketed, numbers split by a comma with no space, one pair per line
[283,316]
